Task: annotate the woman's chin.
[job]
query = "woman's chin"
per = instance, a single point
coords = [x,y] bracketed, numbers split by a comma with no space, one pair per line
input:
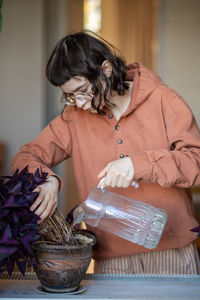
[91,110]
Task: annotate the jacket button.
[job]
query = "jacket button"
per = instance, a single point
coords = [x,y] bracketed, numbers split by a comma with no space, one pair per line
[110,116]
[120,141]
[121,155]
[117,127]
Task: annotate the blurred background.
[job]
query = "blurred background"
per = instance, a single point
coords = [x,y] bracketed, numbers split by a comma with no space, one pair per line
[164,35]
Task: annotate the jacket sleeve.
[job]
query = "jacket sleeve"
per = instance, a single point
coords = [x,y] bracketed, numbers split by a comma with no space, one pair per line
[51,147]
[180,164]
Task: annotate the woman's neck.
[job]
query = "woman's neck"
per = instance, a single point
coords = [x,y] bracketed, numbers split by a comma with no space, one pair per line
[121,102]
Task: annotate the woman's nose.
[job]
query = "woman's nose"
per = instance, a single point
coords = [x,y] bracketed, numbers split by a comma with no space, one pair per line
[79,103]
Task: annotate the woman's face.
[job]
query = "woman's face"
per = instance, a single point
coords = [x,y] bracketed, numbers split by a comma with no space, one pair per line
[78,91]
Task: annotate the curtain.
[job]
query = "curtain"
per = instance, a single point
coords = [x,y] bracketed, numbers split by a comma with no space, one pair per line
[131,25]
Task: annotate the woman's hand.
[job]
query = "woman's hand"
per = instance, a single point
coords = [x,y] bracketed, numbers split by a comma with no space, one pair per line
[47,200]
[118,173]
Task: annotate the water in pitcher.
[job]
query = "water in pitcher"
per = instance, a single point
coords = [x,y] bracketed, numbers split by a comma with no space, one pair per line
[127,218]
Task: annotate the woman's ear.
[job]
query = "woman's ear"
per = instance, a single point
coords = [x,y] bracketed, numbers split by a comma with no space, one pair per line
[107,68]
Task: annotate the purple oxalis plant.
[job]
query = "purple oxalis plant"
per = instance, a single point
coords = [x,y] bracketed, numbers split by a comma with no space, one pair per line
[18,225]
[196,229]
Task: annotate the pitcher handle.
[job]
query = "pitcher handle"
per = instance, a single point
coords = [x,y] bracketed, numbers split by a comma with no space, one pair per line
[101,184]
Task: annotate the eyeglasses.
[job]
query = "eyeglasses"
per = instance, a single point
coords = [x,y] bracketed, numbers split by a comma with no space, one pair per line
[71,98]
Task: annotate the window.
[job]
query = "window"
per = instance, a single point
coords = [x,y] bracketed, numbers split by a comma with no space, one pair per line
[92,15]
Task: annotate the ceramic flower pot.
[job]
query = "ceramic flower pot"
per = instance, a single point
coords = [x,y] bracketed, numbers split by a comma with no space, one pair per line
[60,268]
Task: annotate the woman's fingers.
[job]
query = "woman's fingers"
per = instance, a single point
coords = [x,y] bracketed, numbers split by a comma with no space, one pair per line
[104,171]
[112,177]
[38,200]
[46,202]
[43,206]
[123,181]
[118,173]
[53,210]
[114,181]
[49,210]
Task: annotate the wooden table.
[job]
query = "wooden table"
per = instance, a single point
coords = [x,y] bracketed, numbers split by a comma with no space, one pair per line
[95,286]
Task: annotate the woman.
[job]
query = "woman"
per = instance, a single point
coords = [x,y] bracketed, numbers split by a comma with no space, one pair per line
[121,123]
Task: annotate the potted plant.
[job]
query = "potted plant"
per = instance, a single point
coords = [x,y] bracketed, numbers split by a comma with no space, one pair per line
[62,254]
[59,253]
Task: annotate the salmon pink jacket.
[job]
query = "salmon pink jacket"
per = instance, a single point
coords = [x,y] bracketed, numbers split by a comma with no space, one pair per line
[158,132]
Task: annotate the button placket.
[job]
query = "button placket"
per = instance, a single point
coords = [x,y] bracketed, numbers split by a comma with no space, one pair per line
[119,141]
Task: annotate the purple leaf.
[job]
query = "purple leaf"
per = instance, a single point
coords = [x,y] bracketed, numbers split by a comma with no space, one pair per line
[18,225]
[15,217]
[26,242]
[16,189]
[6,238]
[31,197]
[16,173]
[10,242]
[23,171]
[21,201]
[2,226]
[70,217]
[11,202]
[195,229]
[22,212]
[44,175]
[22,266]
[6,251]
[32,262]
[6,234]
[29,227]
[19,253]
[35,238]
[37,180]
[37,173]
[10,266]
[3,213]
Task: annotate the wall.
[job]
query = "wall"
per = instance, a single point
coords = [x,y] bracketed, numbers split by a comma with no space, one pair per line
[62,18]
[21,73]
[178,60]
[27,100]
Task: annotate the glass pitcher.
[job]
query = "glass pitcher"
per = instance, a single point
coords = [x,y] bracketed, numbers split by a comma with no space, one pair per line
[127,218]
